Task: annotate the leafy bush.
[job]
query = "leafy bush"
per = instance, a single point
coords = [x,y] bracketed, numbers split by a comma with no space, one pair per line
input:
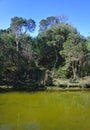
[62,72]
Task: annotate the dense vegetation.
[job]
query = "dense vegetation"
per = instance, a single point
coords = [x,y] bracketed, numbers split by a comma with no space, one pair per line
[58,51]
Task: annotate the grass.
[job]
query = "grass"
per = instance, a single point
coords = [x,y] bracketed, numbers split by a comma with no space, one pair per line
[45,111]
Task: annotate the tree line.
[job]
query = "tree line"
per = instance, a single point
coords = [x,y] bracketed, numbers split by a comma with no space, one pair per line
[58,51]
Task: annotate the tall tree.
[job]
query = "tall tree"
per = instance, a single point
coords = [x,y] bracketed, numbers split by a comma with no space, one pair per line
[20,26]
[7,52]
[51,21]
[74,51]
[50,42]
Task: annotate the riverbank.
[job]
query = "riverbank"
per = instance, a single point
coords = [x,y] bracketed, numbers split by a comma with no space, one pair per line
[75,89]
[47,89]
[58,85]
[68,83]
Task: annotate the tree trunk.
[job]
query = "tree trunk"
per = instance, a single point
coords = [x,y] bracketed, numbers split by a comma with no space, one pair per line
[56,60]
[74,70]
[18,55]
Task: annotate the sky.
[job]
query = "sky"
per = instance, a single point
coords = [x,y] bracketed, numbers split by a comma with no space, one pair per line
[77,11]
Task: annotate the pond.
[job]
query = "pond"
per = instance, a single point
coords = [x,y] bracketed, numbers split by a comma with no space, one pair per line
[45,111]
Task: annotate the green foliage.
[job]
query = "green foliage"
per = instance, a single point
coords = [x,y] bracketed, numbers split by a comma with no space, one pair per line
[85,70]
[62,72]
[20,25]
[51,21]
[75,52]
[44,53]
[58,48]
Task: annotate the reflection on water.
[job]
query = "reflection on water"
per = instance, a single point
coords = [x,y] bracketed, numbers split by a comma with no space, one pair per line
[45,111]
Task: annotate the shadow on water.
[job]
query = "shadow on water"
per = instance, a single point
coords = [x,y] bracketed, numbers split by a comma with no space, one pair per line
[6,90]
[35,87]
[20,86]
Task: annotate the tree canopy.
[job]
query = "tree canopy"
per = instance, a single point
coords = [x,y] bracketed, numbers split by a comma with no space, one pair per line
[58,50]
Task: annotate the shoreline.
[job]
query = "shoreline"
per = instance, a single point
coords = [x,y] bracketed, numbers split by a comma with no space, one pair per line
[48,89]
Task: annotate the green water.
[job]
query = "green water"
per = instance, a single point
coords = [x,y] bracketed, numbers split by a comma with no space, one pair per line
[45,111]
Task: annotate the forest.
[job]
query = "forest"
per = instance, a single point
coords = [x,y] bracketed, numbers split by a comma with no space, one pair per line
[58,53]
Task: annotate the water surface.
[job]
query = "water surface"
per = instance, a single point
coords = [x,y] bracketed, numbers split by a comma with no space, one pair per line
[45,111]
